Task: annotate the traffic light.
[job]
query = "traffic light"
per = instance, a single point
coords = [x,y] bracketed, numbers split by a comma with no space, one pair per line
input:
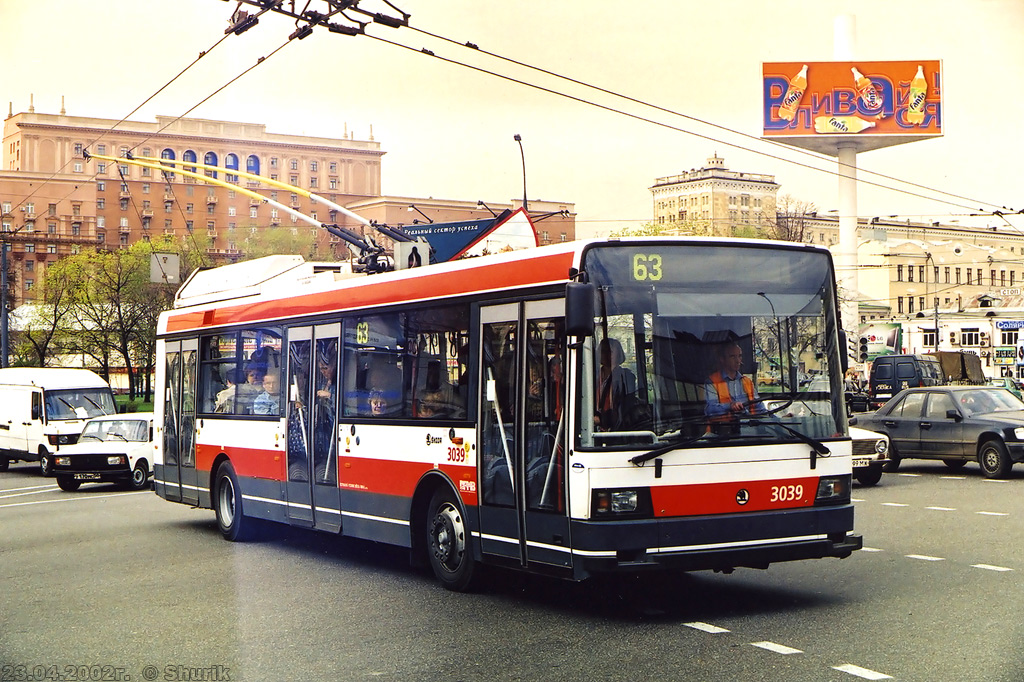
[863,349]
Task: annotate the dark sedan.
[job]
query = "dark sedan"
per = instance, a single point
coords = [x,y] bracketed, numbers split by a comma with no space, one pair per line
[956,424]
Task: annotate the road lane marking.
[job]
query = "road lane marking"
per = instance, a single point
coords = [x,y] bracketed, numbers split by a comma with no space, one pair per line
[988,513]
[989,567]
[894,504]
[954,478]
[910,475]
[870,549]
[994,480]
[777,648]
[76,498]
[856,499]
[705,627]
[48,489]
[924,557]
[942,508]
[861,672]
[34,487]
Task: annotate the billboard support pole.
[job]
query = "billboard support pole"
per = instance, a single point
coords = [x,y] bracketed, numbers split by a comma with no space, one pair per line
[844,37]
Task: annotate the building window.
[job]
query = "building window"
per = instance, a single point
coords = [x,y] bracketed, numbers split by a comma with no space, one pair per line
[78,149]
[333,183]
[970,337]
[30,248]
[313,182]
[899,268]
[910,273]
[293,165]
[929,338]
[970,276]
[958,275]
[145,188]
[899,305]
[101,186]
[253,212]
[314,166]
[188,208]
[51,248]
[920,273]
[124,204]
[979,277]
[910,305]
[78,166]
[232,211]
[1008,337]
[273,162]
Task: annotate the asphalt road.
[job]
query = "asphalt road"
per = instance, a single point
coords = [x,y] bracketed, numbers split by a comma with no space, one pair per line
[107,584]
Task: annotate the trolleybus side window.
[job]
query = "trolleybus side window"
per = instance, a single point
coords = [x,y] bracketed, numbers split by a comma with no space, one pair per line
[233,367]
[406,365]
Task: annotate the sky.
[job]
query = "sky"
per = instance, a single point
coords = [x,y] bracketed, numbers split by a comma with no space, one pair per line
[447,129]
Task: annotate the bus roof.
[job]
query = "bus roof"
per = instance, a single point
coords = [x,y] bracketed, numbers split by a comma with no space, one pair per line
[51,378]
[284,287]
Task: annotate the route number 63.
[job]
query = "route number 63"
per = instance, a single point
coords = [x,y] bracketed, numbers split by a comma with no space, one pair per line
[647,266]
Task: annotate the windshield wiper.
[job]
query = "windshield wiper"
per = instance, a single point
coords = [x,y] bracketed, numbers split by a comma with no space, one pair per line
[817,447]
[667,447]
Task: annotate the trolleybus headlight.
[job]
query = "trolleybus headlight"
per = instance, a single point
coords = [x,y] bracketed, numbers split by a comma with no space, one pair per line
[62,461]
[114,460]
[614,502]
[881,446]
[833,490]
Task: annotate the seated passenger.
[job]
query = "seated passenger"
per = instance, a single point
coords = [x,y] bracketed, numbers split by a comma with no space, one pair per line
[728,393]
[616,387]
[439,398]
[269,401]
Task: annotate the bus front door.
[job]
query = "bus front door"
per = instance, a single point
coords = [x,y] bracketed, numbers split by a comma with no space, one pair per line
[312,427]
[179,474]
[523,516]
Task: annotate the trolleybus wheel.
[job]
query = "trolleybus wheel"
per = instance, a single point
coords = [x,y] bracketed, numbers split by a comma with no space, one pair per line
[228,506]
[447,546]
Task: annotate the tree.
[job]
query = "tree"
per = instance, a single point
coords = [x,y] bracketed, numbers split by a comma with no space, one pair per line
[792,220]
[43,329]
[689,227]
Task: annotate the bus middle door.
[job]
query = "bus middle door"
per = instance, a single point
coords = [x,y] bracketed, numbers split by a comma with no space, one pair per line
[312,427]
[524,517]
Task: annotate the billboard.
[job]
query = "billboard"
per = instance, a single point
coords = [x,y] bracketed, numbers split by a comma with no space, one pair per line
[883,338]
[818,105]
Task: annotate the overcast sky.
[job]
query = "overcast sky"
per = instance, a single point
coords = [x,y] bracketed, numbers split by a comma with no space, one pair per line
[448,130]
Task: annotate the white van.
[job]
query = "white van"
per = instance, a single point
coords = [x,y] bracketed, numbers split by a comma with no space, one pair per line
[43,408]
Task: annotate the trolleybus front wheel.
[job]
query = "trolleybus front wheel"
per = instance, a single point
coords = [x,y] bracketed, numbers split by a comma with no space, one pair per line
[447,546]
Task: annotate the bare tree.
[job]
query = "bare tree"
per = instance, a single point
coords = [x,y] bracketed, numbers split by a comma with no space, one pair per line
[792,220]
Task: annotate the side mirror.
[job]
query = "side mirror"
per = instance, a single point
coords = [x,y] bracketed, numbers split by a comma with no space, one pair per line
[579,308]
[953,414]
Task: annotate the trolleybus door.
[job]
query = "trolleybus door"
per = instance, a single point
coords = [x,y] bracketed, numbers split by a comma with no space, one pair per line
[312,426]
[182,483]
[523,517]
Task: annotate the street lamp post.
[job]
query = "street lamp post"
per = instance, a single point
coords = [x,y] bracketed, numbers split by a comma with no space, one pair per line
[935,301]
[519,138]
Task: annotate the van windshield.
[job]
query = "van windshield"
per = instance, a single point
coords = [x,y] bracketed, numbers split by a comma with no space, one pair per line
[79,403]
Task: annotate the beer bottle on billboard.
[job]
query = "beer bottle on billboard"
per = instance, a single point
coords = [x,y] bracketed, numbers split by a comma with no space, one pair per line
[794,93]
[918,93]
[866,91]
[841,124]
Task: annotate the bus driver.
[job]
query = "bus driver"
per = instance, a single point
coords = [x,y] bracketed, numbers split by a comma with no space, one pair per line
[728,393]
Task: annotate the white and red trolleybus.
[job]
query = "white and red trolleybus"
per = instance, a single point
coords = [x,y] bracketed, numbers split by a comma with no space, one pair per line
[462,409]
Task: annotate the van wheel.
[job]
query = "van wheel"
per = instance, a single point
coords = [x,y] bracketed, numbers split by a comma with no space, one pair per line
[994,460]
[228,506]
[140,476]
[45,463]
[447,544]
[68,484]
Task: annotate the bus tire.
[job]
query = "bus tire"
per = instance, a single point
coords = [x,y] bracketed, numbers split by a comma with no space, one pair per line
[448,548]
[228,506]
[68,484]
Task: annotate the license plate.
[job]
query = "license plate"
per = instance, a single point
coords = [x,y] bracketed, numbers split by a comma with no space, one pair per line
[87,477]
[862,461]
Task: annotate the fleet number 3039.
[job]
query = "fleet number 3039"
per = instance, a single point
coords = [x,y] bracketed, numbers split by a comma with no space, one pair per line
[787,493]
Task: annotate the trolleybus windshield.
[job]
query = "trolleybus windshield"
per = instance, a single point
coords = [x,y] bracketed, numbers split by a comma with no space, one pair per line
[666,314]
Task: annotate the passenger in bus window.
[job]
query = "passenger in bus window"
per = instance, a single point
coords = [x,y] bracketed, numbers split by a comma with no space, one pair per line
[269,401]
[616,387]
[729,393]
[246,392]
[226,398]
[378,404]
[439,398]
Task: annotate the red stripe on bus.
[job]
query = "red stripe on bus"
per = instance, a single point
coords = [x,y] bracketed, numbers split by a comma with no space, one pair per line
[735,496]
[389,477]
[529,271]
[269,464]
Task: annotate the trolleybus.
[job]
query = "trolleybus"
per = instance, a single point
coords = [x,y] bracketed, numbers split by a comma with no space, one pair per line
[462,409]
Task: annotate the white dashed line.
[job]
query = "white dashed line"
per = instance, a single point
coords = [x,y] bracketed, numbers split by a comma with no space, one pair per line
[856,499]
[910,475]
[988,513]
[994,480]
[954,478]
[942,508]
[706,627]
[777,648]
[989,567]
[924,557]
[861,672]
[894,504]
[871,549]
